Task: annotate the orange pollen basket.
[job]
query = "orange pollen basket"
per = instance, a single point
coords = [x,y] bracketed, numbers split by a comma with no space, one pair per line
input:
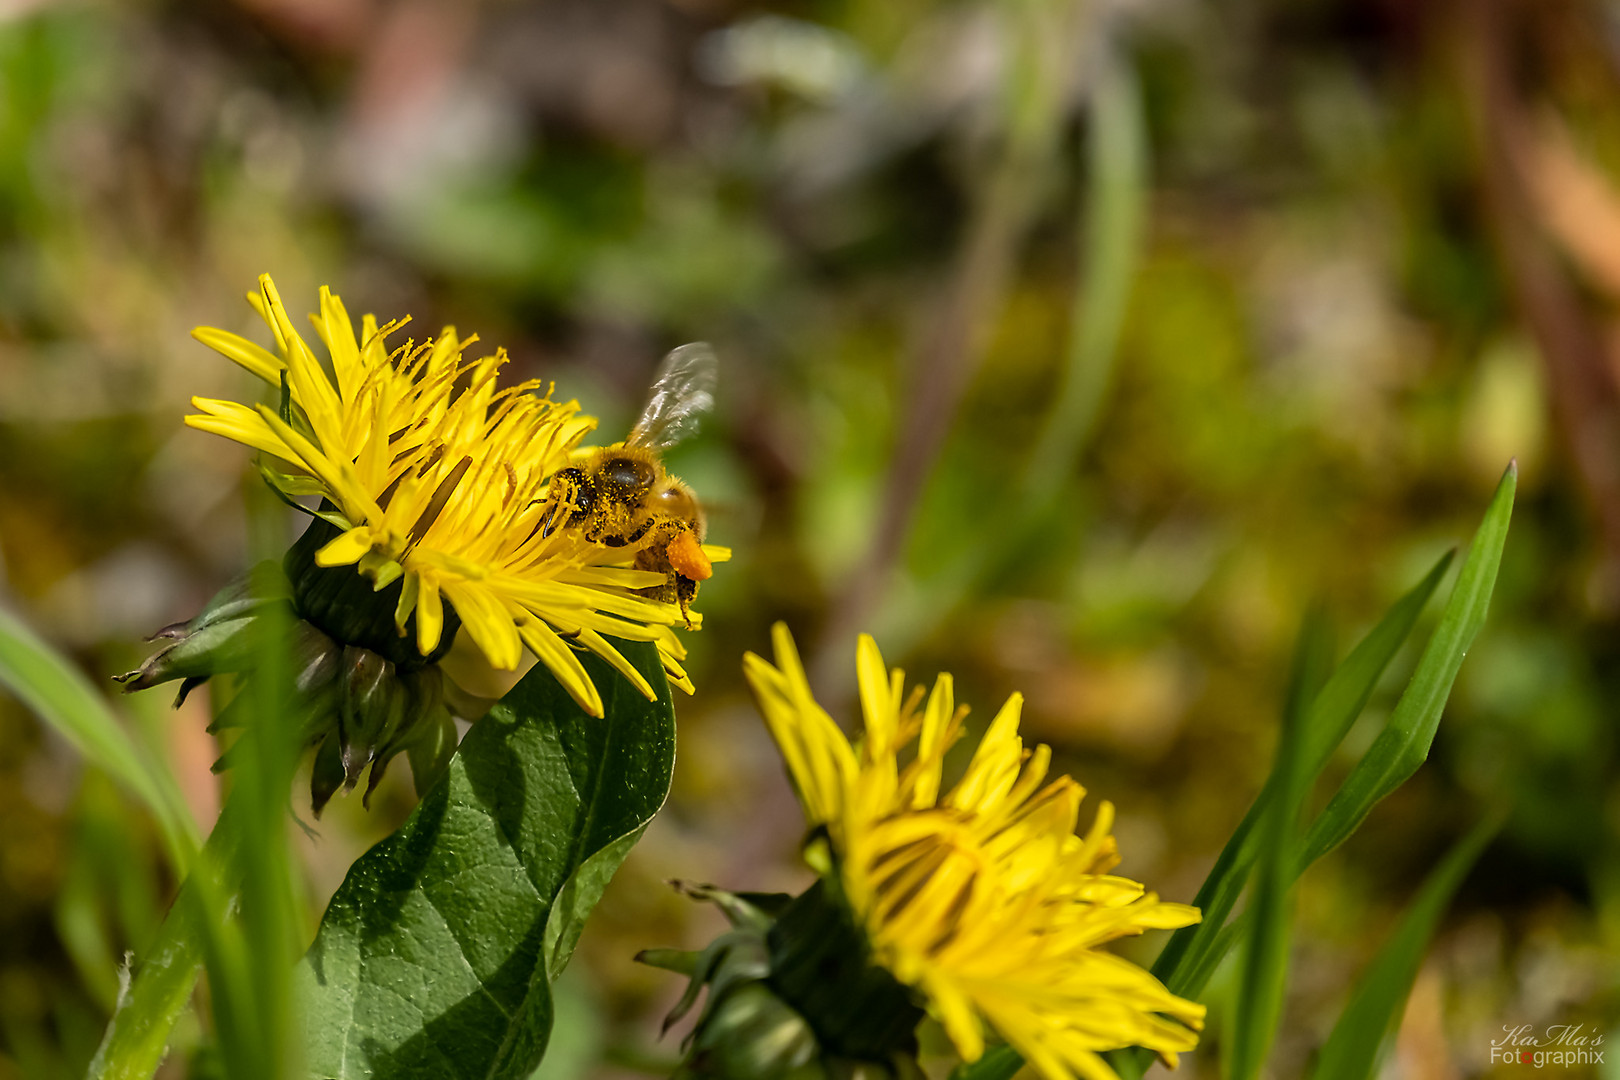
[686,556]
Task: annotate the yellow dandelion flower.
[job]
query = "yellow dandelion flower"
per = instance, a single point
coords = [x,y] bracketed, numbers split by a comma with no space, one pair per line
[981,898]
[433,477]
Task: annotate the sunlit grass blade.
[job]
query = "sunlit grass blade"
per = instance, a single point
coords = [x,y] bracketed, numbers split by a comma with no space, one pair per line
[251,945]
[166,973]
[109,893]
[1406,738]
[137,1037]
[1352,1052]
[249,959]
[1351,685]
[62,697]
[1334,711]
[228,955]
[1404,743]
[1265,960]
[237,910]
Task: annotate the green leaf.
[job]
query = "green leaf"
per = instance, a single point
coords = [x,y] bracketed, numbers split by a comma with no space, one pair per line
[1404,743]
[1352,1052]
[578,897]
[1184,964]
[435,956]
[61,696]
[1265,961]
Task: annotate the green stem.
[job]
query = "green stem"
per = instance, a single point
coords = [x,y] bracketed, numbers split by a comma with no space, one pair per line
[137,1037]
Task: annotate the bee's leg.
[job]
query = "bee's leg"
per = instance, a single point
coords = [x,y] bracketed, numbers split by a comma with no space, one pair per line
[676,589]
[685,593]
[629,538]
[663,592]
[550,514]
[568,500]
[663,530]
[552,510]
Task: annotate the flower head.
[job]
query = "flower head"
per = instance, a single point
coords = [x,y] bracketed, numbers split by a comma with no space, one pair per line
[981,898]
[433,477]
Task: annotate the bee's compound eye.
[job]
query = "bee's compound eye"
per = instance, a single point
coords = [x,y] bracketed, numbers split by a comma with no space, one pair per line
[628,473]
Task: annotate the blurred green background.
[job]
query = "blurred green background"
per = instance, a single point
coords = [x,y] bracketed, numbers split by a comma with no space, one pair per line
[1075,348]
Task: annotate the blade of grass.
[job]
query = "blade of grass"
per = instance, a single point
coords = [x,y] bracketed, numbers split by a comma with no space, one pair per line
[1192,953]
[1332,714]
[1351,686]
[249,953]
[1112,216]
[138,1033]
[109,890]
[62,697]
[1404,743]
[249,957]
[1265,962]
[1112,219]
[237,910]
[1352,1051]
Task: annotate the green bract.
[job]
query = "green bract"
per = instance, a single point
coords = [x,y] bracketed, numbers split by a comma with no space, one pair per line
[355,695]
[792,995]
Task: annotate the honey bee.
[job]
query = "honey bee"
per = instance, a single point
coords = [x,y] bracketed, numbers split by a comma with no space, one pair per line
[622,497]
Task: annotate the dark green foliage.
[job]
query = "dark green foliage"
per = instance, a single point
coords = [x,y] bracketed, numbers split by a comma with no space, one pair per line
[436,955]
[1354,1049]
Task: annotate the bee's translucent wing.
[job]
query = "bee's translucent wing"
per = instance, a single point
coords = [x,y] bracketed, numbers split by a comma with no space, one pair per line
[682,390]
